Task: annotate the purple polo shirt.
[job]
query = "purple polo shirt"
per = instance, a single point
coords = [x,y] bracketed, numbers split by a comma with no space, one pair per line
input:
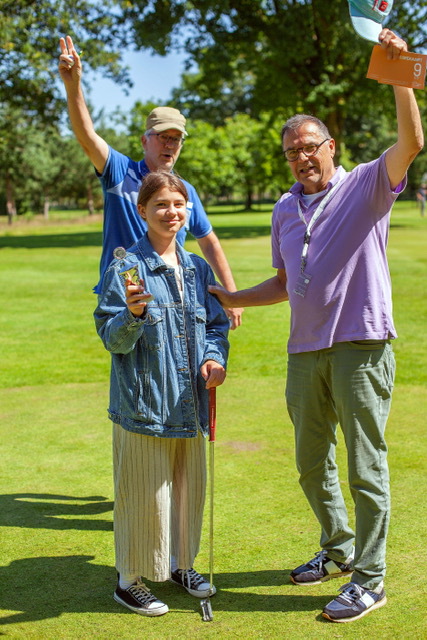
[349,294]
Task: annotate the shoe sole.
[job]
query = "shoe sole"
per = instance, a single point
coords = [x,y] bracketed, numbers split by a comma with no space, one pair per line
[330,576]
[197,594]
[160,611]
[377,605]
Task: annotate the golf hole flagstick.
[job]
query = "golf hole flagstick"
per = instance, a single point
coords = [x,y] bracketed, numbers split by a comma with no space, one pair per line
[206,602]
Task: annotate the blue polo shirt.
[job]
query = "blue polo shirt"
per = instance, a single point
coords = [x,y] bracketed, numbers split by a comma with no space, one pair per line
[123,226]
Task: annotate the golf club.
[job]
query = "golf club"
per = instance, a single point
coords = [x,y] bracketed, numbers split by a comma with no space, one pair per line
[206,602]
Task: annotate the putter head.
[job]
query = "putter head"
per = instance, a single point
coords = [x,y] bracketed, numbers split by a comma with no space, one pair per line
[207,609]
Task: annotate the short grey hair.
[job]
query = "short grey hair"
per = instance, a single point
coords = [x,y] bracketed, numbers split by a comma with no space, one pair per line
[295,122]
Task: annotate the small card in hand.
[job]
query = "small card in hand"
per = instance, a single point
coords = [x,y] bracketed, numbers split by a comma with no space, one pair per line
[409,70]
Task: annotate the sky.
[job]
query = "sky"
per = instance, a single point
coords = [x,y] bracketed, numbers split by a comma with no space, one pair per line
[153,77]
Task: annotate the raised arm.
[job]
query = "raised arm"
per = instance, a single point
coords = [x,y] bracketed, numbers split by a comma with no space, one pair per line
[410,138]
[70,69]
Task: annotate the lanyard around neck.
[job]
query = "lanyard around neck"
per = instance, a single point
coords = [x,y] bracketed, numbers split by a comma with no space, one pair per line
[316,215]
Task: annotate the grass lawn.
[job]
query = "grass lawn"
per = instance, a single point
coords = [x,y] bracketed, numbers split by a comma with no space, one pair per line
[56,556]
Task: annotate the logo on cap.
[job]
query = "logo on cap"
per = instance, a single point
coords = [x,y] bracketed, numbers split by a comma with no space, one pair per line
[367,16]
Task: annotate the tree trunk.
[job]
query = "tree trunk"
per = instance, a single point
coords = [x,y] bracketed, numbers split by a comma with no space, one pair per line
[334,122]
[90,205]
[46,207]
[249,198]
[10,200]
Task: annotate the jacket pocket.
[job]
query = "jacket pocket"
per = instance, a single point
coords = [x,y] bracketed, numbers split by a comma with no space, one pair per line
[153,336]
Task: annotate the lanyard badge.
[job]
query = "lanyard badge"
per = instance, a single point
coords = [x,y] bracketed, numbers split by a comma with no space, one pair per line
[304,277]
[302,284]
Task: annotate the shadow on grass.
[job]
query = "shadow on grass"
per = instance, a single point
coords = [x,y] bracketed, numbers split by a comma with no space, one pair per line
[94,238]
[46,587]
[400,225]
[242,231]
[47,511]
[59,240]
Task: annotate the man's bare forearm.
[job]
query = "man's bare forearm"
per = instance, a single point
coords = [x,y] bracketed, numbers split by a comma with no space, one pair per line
[268,292]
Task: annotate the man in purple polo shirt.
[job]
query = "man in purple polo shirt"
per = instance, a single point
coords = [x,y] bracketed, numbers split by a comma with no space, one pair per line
[329,237]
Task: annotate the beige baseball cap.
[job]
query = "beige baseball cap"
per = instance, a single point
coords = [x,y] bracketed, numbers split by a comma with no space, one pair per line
[163,118]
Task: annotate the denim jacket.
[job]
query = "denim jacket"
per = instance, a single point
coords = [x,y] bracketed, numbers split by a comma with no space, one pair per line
[156,387]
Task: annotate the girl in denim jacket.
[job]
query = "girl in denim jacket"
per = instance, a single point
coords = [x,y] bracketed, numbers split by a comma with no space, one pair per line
[168,340]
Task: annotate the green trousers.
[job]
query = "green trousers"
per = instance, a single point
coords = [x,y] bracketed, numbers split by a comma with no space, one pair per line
[351,384]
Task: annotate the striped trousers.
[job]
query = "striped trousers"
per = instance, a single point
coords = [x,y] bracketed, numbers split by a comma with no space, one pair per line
[159,495]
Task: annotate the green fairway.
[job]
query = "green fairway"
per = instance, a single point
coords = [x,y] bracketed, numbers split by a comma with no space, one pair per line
[56,557]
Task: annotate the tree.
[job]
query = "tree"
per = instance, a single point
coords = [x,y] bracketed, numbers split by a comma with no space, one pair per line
[9,149]
[254,148]
[205,160]
[239,157]
[293,55]
[77,182]
[28,55]
[40,166]
[29,91]
[215,104]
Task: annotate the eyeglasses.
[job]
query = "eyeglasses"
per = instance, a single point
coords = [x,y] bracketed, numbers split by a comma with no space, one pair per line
[308,150]
[174,141]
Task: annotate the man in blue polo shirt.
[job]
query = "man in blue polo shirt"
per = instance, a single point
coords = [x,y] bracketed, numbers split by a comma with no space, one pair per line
[121,177]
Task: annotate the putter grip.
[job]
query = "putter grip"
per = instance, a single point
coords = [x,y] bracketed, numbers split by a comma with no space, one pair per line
[212,414]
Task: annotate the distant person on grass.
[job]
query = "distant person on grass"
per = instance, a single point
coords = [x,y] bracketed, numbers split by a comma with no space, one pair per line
[329,238]
[421,199]
[121,177]
[166,353]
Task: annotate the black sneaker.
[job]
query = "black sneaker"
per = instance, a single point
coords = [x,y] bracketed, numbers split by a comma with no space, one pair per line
[193,582]
[354,602]
[320,569]
[138,598]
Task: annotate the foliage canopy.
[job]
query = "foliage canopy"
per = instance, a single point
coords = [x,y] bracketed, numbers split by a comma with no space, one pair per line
[272,55]
[250,65]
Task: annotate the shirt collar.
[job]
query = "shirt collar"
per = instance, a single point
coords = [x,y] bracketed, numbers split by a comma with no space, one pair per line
[143,168]
[144,250]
